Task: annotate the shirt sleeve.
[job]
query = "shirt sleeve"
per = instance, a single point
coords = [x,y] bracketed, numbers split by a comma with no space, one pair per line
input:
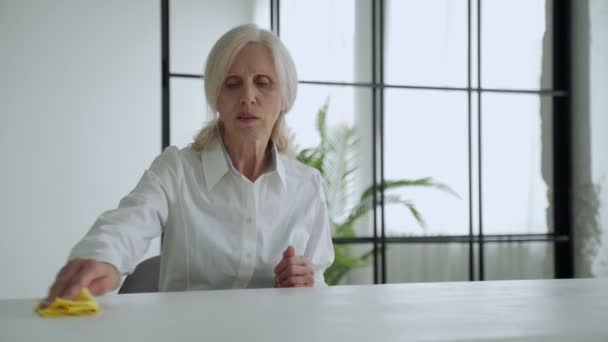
[121,236]
[320,249]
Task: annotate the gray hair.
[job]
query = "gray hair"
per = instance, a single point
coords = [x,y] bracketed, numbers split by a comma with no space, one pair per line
[220,59]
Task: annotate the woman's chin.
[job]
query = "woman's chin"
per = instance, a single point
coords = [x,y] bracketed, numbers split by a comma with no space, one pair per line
[251,132]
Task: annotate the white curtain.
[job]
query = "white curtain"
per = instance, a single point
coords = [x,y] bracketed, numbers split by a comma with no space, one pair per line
[590,142]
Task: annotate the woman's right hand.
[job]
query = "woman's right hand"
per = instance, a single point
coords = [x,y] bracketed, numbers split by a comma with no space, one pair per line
[99,277]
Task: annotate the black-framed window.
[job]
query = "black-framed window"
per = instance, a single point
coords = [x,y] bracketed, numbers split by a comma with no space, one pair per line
[460,81]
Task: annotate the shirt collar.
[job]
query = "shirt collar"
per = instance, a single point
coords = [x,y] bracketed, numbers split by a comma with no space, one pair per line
[216,163]
[279,167]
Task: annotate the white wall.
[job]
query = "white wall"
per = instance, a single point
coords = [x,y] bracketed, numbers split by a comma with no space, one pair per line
[80,121]
[80,114]
[590,124]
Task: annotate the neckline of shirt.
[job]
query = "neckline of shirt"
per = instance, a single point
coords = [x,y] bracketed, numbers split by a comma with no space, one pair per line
[216,162]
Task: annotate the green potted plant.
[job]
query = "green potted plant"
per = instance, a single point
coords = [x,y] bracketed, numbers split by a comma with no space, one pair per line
[335,158]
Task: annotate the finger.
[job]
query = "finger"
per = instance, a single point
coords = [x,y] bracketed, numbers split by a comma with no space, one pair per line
[290,251]
[89,271]
[62,280]
[283,257]
[294,271]
[306,284]
[295,260]
[280,266]
[101,285]
[283,260]
[63,276]
[305,281]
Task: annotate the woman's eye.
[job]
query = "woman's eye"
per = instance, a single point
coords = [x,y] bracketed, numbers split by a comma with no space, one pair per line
[231,85]
[262,83]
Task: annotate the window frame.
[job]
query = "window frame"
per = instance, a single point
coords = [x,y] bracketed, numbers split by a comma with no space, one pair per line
[562,156]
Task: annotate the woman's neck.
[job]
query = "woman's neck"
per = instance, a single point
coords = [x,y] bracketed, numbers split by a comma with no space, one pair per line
[250,158]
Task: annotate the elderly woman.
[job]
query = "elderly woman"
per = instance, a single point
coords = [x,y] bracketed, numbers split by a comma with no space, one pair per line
[235,209]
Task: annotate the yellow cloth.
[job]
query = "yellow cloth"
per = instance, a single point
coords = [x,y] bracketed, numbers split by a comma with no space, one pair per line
[83,305]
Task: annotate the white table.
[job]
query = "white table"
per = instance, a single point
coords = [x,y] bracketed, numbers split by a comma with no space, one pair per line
[537,310]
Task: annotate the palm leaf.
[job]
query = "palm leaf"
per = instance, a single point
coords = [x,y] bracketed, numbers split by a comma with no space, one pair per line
[422,182]
[322,120]
[336,159]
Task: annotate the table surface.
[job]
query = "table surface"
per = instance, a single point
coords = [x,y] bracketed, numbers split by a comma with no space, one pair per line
[529,310]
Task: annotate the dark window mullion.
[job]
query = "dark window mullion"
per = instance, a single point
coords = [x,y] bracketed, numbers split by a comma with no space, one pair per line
[165,112]
[479,147]
[275,23]
[496,238]
[543,92]
[381,118]
[562,153]
[470,146]
[378,140]
[165,75]
[374,140]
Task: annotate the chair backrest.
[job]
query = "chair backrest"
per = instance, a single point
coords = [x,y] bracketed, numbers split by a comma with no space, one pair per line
[144,278]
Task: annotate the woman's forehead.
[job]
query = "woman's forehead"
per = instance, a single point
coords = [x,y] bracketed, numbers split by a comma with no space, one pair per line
[253,58]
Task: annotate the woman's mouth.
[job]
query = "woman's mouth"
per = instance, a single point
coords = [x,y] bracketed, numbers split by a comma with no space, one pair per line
[247,117]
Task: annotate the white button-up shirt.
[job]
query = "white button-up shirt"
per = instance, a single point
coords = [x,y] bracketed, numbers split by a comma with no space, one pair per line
[220,230]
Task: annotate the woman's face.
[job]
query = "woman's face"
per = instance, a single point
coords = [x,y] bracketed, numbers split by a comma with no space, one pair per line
[249,100]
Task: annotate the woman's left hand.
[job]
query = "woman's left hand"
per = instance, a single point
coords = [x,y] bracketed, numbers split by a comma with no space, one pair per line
[293,271]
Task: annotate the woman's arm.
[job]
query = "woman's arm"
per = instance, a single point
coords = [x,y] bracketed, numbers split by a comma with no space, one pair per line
[320,248]
[120,237]
[307,270]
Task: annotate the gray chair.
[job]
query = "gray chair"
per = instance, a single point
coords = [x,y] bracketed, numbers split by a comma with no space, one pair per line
[144,278]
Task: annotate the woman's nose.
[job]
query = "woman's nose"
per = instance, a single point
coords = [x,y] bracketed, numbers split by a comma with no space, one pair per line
[248,95]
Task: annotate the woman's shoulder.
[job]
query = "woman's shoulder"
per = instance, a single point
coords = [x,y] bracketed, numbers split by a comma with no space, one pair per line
[175,158]
[174,155]
[296,170]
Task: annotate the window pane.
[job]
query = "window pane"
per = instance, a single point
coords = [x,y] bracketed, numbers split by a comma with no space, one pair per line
[516,54]
[347,163]
[330,40]
[426,135]
[188,110]
[518,260]
[516,163]
[427,262]
[342,272]
[197,24]
[426,42]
